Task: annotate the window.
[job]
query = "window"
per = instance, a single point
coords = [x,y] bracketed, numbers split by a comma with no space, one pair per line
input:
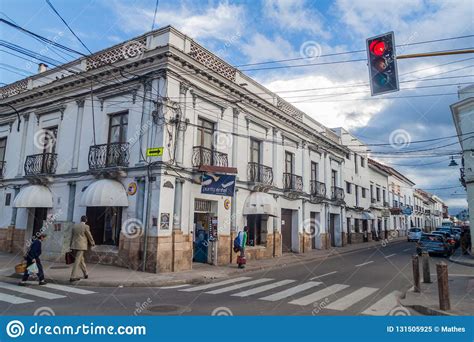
[371,191]
[348,156]
[8,198]
[314,171]
[348,187]
[49,145]
[205,134]
[394,222]
[362,162]
[364,193]
[288,162]
[334,178]
[383,195]
[357,195]
[3,150]
[355,163]
[257,230]
[377,193]
[118,128]
[255,150]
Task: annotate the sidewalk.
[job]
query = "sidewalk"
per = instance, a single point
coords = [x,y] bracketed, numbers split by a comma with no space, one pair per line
[111,276]
[461,292]
[459,258]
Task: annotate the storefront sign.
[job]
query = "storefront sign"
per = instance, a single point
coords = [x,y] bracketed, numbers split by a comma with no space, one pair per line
[165,221]
[227,204]
[218,184]
[385,213]
[154,152]
[407,211]
[132,188]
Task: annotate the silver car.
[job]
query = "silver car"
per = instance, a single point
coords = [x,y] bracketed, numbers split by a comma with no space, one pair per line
[414,234]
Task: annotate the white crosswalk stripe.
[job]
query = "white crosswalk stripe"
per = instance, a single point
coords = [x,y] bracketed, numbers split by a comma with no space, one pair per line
[239,286]
[291,291]
[210,286]
[314,297]
[29,291]
[347,301]
[263,288]
[13,299]
[384,305]
[68,289]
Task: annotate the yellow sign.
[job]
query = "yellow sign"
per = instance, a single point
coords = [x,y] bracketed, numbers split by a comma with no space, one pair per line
[154,152]
[227,204]
[132,188]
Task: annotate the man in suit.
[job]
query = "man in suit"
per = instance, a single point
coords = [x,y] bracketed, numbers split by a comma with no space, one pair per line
[80,240]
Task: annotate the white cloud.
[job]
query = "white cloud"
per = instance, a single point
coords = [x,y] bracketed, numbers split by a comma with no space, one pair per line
[295,15]
[261,48]
[222,21]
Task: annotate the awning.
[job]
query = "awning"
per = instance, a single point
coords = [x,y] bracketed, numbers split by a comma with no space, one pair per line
[104,193]
[367,216]
[34,196]
[259,203]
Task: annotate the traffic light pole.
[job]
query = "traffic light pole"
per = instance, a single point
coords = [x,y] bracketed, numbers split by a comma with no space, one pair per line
[434,54]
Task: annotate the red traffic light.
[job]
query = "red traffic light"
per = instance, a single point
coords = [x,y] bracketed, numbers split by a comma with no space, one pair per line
[377,47]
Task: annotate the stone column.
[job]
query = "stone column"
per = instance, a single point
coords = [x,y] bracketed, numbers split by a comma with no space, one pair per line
[26,118]
[77,135]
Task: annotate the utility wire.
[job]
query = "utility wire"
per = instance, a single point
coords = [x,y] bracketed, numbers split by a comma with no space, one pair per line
[154,15]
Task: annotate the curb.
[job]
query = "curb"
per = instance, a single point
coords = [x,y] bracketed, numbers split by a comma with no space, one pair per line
[461,262]
[198,279]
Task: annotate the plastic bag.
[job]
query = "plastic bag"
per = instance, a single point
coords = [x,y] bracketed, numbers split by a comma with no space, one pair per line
[32,269]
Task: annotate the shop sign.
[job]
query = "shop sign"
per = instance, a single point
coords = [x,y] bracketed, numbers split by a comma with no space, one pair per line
[407,211]
[227,204]
[218,184]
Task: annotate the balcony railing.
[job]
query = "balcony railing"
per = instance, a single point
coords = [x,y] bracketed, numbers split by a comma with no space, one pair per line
[318,189]
[41,164]
[108,155]
[203,156]
[337,194]
[259,173]
[3,165]
[292,182]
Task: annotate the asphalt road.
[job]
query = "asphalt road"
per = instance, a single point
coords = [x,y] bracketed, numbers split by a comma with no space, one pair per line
[364,282]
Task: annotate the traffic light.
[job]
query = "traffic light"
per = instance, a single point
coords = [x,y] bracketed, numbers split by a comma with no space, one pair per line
[382,64]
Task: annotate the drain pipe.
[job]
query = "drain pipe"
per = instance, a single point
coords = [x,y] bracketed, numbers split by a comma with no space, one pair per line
[147,220]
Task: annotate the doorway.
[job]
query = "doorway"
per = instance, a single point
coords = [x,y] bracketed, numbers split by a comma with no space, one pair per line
[315,222]
[106,224]
[286,230]
[39,216]
[335,230]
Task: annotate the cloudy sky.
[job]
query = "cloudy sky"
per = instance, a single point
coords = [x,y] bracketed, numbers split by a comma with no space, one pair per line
[254,34]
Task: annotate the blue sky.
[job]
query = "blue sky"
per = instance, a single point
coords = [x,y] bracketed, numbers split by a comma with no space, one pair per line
[244,32]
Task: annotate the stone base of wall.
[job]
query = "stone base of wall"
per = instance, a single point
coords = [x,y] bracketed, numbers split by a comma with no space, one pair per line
[325,243]
[344,239]
[357,237]
[12,240]
[306,244]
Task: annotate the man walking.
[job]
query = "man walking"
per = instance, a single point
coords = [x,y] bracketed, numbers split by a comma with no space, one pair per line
[33,257]
[80,241]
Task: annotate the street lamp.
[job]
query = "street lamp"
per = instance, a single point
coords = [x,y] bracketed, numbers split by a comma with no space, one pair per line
[18,114]
[452,162]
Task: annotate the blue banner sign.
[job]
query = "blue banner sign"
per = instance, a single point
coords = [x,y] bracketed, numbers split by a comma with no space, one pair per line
[218,184]
[407,211]
[161,328]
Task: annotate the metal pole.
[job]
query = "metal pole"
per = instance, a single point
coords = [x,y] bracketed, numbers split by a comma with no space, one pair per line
[434,54]
[425,258]
[416,273]
[443,287]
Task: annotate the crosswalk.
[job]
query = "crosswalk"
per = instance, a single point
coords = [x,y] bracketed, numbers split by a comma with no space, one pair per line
[14,294]
[337,297]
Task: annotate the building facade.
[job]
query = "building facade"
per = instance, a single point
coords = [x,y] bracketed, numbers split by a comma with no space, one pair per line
[137,135]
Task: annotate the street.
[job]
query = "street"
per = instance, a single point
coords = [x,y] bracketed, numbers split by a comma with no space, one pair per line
[364,282]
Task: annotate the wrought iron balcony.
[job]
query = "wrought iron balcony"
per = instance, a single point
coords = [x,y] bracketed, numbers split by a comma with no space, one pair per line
[41,164]
[292,182]
[318,189]
[3,165]
[108,155]
[259,173]
[203,156]
[337,194]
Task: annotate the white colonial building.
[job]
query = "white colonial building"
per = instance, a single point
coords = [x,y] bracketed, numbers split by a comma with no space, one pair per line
[145,138]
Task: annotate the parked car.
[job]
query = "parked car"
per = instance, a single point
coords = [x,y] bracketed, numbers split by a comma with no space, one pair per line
[414,234]
[452,231]
[433,244]
[449,238]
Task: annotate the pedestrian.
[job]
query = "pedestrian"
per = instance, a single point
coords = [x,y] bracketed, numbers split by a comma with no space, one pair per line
[33,257]
[242,238]
[81,239]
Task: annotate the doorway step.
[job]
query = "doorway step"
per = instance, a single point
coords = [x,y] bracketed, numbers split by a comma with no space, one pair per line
[102,254]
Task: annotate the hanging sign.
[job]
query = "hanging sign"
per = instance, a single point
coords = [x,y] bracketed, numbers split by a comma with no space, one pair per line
[218,184]
[227,204]
[132,188]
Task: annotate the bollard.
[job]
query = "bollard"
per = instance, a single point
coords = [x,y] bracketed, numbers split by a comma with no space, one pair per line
[425,258]
[443,287]
[416,273]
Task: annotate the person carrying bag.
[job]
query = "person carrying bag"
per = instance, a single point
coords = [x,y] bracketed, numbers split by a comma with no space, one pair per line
[33,262]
